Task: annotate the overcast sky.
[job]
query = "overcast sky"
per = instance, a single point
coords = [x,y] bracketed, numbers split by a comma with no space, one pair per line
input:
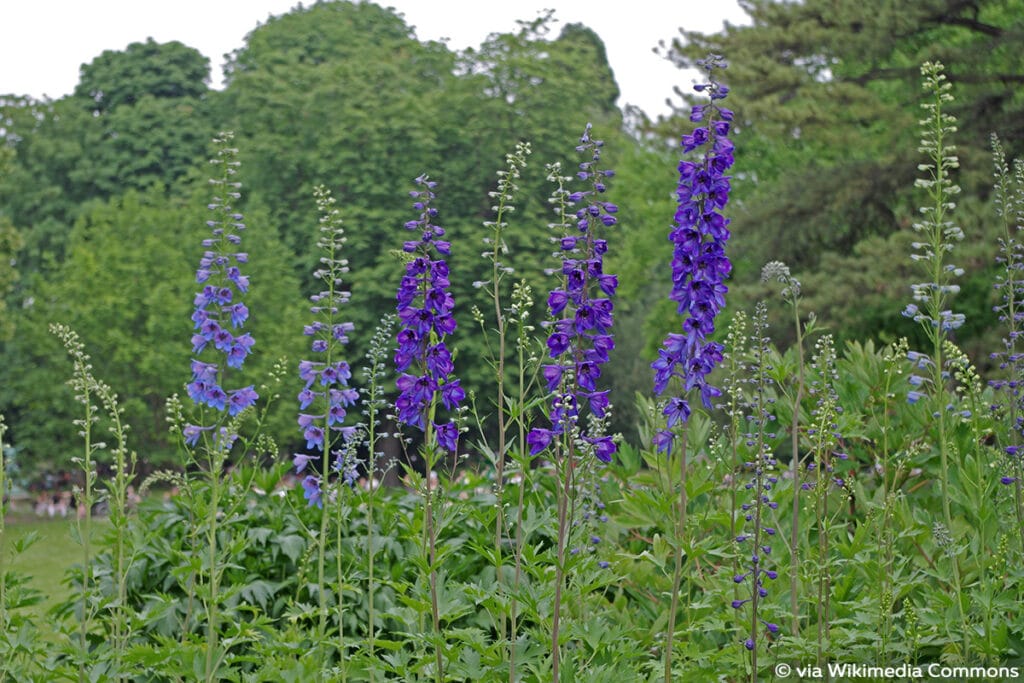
[44,42]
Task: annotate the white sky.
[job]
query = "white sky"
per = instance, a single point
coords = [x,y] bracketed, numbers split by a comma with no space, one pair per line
[44,42]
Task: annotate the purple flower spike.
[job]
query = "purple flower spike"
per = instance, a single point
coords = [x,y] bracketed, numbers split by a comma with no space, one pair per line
[699,263]
[581,310]
[326,393]
[218,306]
[425,315]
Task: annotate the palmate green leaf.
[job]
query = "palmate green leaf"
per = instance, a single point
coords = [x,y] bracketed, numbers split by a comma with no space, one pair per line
[469,666]
[259,535]
[291,545]
[259,592]
[644,508]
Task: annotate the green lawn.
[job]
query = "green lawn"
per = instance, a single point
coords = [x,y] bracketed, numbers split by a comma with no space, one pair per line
[46,560]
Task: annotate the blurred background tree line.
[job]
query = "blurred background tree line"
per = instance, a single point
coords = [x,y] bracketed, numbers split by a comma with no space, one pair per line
[103,192]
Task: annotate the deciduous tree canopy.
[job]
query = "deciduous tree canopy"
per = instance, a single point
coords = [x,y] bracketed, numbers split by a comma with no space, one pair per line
[102,191]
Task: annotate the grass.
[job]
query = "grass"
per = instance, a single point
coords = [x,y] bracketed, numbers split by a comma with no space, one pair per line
[54,550]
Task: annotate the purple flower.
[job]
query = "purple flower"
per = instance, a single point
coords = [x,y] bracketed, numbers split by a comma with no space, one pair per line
[314,436]
[604,447]
[311,491]
[538,439]
[217,305]
[301,460]
[662,441]
[306,398]
[424,312]
[699,263]
[192,434]
[581,311]
[326,380]
[677,410]
[241,399]
[447,436]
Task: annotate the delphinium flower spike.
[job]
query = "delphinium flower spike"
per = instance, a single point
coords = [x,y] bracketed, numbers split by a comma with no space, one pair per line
[326,397]
[219,313]
[579,341]
[581,309]
[218,317]
[699,268]
[425,319]
[424,362]
[699,263]
[938,234]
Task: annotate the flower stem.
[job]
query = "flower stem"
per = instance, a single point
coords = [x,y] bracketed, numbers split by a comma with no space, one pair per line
[564,494]
[677,576]
[794,539]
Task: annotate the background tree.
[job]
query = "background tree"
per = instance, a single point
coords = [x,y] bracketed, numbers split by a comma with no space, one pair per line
[127,289]
[150,69]
[10,243]
[344,94]
[138,118]
[827,101]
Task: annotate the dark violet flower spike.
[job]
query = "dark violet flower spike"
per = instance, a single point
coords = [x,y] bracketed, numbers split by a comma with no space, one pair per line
[425,314]
[581,308]
[699,264]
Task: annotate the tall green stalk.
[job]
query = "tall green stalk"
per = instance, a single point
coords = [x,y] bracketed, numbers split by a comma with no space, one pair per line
[939,234]
[503,196]
[85,386]
[374,402]
[894,358]
[522,302]
[564,487]
[677,548]
[117,499]
[732,357]
[430,537]
[776,270]
[824,442]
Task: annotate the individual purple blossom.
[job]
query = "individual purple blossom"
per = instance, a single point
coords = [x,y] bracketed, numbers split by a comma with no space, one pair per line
[301,460]
[425,317]
[311,491]
[580,336]
[699,263]
[326,392]
[219,314]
